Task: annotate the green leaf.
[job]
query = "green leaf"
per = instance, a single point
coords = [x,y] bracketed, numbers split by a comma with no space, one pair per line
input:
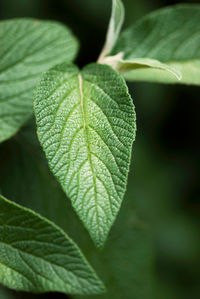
[115,24]
[86,125]
[37,256]
[171,36]
[28,48]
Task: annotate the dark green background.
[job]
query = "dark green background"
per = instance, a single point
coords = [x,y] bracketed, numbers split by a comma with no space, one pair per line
[156,252]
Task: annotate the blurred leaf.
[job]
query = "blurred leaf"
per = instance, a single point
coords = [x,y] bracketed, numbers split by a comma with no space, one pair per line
[28,47]
[135,10]
[169,35]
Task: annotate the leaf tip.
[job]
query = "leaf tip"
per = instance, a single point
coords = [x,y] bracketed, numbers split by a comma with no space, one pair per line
[99,238]
[101,288]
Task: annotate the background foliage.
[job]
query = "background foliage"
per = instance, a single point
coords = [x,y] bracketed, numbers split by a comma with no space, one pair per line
[154,247]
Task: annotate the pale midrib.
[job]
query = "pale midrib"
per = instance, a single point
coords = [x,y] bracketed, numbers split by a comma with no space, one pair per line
[85,128]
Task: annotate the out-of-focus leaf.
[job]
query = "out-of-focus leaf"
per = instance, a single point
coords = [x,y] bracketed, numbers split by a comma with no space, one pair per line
[170,35]
[28,48]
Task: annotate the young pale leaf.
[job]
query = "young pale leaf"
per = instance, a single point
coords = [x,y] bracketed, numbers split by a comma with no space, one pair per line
[190,71]
[86,125]
[37,256]
[115,24]
[170,35]
[28,47]
[119,64]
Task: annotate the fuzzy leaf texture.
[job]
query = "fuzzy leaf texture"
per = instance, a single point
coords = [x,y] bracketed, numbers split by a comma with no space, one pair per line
[171,36]
[118,62]
[114,27]
[37,256]
[28,48]
[123,65]
[86,125]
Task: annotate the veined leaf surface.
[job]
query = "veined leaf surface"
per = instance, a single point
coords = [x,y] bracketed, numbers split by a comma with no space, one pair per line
[37,256]
[28,48]
[171,36]
[86,125]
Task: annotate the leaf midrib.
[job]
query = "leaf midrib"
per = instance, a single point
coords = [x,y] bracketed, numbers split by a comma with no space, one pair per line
[85,128]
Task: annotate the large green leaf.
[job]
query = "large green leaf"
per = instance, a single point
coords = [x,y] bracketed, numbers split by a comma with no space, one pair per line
[170,35]
[37,256]
[86,125]
[28,47]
